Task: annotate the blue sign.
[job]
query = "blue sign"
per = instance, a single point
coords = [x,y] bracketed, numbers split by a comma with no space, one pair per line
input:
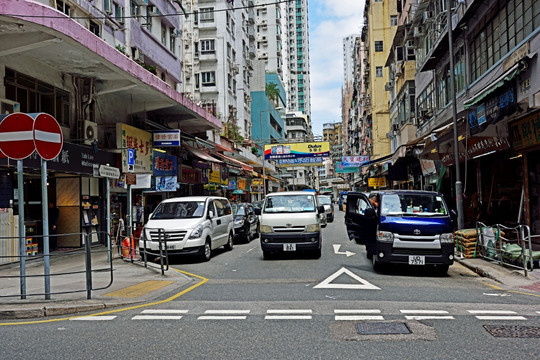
[131,159]
[164,164]
[166,138]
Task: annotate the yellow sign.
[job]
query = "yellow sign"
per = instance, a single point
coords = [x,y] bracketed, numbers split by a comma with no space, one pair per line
[377,182]
[215,177]
[297,150]
[129,137]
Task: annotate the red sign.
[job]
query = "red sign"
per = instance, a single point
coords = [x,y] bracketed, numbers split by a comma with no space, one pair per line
[47,136]
[16,136]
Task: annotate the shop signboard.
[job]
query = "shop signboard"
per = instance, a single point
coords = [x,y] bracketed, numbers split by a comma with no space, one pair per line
[242,183]
[215,177]
[525,132]
[297,150]
[232,184]
[340,169]
[256,185]
[307,161]
[354,161]
[129,137]
[165,164]
[166,183]
[109,172]
[166,138]
[190,176]
[377,182]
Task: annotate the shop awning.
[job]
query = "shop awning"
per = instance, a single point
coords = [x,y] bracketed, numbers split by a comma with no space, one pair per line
[201,154]
[499,82]
[237,162]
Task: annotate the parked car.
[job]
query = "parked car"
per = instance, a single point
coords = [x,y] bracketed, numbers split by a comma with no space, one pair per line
[291,221]
[326,201]
[189,225]
[407,227]
[246,222]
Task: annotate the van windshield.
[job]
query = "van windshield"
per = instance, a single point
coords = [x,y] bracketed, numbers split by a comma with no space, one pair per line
[289,204]
[179,210]
[413,205]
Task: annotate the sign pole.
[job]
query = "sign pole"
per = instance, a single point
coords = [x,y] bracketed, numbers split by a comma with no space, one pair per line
[109,235]
[46,248]
[22,229]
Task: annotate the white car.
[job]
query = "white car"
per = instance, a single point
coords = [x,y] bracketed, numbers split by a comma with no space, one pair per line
[193,225]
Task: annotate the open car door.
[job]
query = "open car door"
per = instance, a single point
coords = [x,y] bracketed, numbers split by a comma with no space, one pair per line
[361,220]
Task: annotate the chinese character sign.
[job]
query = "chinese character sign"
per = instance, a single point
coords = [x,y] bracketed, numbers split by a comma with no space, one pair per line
[165,164]
[129,137]
[297,150]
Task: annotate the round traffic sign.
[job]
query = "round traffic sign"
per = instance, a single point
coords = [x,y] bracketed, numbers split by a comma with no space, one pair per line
[16,136]
[47,136]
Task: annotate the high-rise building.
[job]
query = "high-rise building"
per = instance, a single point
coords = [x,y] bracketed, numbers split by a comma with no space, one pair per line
[348,58]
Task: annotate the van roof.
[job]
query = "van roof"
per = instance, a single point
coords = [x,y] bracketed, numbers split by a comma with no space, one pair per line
[304,193]
[192,198]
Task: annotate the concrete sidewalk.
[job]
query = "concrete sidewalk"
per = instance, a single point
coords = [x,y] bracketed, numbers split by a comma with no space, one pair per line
[133,284]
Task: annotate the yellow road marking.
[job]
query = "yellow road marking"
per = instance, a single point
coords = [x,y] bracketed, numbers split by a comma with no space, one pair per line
[140,289]
[493,286]
[175,296]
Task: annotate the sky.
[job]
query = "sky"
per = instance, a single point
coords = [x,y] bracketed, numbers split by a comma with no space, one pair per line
[329,22]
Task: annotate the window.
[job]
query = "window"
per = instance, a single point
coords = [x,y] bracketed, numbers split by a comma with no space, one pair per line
[94,28]
[399,53]
[63,7]
[119,13]
[378,71]
[207,46]
[206,14]
[172,40]
[208,78]
[378,46]
[393,20]
[164,34]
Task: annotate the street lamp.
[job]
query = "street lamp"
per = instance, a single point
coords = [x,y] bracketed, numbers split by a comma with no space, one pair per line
[262,144]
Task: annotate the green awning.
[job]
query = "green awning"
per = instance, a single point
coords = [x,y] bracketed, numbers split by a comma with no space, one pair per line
[501,80]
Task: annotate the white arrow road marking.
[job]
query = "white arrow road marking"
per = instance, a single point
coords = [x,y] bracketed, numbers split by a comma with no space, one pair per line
[336,251]
[364,284]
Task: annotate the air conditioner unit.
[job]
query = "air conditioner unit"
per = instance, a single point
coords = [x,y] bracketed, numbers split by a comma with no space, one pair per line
[264,38]
[139,56]
[9,106]
[141,2]
[90,132]
[264,55]
[234,69]
[175,33]
[152,10]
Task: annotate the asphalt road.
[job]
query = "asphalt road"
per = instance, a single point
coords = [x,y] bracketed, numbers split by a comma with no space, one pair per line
[298,307]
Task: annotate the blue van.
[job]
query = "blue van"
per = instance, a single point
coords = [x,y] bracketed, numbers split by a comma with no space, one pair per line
[407,227]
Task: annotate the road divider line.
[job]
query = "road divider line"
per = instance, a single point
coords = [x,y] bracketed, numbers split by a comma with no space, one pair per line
[287,317]
[94,318]
[358,317]
[357,311]
[164,311]
[212,317]
[227,312]
[499,312]
[289,311]
[423,311]
[501,318]
[428,317]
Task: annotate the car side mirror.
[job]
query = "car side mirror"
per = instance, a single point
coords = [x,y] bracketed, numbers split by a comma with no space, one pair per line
[210,214]
[257,211]
[320,209]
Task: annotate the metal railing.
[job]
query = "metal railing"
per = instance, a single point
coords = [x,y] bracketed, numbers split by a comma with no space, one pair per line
[30,270]
[129,251]
[509,246]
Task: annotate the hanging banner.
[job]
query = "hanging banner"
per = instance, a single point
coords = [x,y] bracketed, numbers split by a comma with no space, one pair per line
[377,182]
[340,169]
[309,161]
[355,161]
[297,150]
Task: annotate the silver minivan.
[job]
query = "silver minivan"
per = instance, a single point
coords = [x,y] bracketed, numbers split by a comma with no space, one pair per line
[193,225]
[291,221]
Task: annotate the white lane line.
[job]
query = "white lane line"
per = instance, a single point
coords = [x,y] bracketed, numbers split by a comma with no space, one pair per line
[221,317]
[423,311]
[156,317]
[357,311]
[289,311]
[501,318]
[227,312]
[500,312]
[287,317]
[164,311]
[358,317]
[538,312]
[94,318]
[428,317]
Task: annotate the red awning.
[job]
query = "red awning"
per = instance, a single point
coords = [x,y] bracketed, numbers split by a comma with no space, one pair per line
[201,154]
[237,162]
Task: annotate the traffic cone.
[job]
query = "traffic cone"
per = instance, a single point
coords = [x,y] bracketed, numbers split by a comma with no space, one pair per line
[125,248]
[132,254]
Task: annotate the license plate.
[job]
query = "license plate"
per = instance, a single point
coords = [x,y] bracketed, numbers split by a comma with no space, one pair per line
[289,247]
[171,247]
[417,260]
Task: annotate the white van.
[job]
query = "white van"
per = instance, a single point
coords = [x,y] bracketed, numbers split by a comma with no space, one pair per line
[291,221]
[189,225]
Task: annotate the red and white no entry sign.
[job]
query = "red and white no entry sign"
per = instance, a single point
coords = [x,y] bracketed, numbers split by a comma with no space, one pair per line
[17,136]
[47,136]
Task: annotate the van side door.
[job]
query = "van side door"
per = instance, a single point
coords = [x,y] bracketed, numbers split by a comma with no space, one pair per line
[361,219]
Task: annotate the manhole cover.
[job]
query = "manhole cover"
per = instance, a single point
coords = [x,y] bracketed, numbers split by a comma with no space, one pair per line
[513,331]
[377,328]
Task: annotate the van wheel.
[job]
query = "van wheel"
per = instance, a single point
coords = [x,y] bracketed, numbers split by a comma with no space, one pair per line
[230,243]
[317,253]
[206,251]
[377,266]
[267,255]
[441,270]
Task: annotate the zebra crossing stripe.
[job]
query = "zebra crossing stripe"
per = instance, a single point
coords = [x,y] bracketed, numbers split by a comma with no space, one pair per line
[289,314]
[499,312]
[224,315]
[164,311]
[156,317]
[94,318]
[496,315]
[501,318]
[427,315]
[355,314]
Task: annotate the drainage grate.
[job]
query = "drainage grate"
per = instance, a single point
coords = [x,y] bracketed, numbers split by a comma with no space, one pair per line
[378,328]
[513,331]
